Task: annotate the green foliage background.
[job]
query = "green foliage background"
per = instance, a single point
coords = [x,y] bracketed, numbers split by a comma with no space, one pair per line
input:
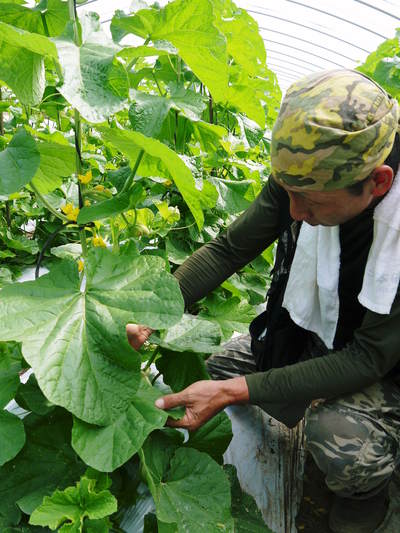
[116,163]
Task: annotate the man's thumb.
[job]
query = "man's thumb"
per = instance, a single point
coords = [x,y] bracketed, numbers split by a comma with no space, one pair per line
[169,401]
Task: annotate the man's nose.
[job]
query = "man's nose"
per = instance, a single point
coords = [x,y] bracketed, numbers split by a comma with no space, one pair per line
[298,209]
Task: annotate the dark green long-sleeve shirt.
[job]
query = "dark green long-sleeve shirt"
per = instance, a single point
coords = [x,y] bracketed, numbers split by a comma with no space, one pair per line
[371,350]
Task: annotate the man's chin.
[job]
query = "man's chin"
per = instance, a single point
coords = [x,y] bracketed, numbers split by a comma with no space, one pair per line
[319,223]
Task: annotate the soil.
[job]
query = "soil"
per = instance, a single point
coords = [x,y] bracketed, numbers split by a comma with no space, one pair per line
[316,501]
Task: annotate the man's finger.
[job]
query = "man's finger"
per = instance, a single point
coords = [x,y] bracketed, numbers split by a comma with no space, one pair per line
[181,423]
[171,400]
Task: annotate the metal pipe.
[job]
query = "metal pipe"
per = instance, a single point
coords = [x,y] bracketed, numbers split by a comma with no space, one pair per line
[308,42]
[309,28]
[337,17]
[306,52]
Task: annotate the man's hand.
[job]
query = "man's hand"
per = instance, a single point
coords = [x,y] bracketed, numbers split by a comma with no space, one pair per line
[137,335]
[203,400]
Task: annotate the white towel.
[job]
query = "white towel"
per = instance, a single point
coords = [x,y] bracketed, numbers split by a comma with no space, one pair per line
[311,295]
[382,272]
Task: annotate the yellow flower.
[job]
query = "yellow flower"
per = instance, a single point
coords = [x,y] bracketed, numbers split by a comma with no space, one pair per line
[67,208]
[80,265]
[99,188]
[71,212]
[86,178]
[86,203]
[98,241]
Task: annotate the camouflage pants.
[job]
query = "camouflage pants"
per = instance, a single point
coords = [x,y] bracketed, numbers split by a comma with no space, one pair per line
[354,439]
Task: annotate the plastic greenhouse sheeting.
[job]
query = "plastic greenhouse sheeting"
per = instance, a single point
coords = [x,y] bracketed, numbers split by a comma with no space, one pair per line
[305,36]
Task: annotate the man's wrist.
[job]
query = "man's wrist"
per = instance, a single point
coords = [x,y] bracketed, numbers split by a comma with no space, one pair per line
[234,391]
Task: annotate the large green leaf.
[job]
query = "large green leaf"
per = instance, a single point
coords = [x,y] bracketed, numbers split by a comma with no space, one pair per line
[234,196]
[21,16]
[56,15]
[39,44]
[231,315]
[107,448]
[192,104]
[18,162]
[75,340]
[246,514]
[159,160]
[73,505]
[22,62]
[246,47]
[383,65]
[108,208]
[180,480]
[23,72]
[12,436]
[190,334]
[48,16]
[31,398]
[180,369]
[189,27]
[213,437]
[94,81]
[9,377]
[46,462]
[20,242]
[244,42]
[208,135]
[56,161]
[26,528]
[148,112]
[132,52]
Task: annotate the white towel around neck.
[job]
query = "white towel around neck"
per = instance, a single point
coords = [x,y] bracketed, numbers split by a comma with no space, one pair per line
[311,295]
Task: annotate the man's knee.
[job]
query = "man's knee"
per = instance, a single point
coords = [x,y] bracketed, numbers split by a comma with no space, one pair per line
[328,427]
[354,453]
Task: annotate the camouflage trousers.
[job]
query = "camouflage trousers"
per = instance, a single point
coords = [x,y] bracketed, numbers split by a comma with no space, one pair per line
[354,439]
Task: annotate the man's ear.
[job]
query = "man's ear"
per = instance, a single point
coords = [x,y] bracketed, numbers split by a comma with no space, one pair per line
[382,179]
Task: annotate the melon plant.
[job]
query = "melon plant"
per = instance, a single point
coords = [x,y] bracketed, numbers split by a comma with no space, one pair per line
[117,161]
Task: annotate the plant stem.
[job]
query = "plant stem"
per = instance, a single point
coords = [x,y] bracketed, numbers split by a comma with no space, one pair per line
[125,219]
[134,61]
[48,205]
[210,108]
[74,18]
[151,360]
[78,131]
[78,146]
[8,216]
[49,240]
[7,203]
[82,236]
[78,159]
[45,27]
[58,119]
[155,378]
[179,69]
[176,129]
[129,181]
[114,236]
[1,117]
[158,85]
[147,474]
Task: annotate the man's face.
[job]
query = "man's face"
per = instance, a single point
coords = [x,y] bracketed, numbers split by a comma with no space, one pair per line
[327,208]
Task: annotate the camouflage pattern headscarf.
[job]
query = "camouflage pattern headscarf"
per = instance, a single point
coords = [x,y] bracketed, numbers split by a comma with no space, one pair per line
[333,129]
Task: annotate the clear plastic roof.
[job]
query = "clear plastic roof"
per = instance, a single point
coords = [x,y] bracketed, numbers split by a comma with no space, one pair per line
[305,36]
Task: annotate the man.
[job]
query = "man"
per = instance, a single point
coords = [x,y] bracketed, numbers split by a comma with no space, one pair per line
[333,314]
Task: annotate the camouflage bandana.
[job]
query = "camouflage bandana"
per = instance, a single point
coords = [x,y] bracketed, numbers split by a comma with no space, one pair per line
[333,129]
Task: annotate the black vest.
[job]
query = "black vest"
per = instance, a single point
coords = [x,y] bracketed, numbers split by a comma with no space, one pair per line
[276,340]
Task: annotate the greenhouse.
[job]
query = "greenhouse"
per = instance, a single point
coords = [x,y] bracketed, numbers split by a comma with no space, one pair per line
[200,266]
